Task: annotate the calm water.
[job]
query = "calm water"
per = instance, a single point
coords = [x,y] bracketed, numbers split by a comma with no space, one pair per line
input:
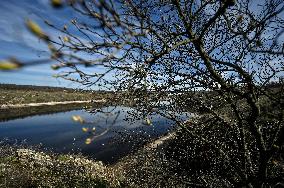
[113,137]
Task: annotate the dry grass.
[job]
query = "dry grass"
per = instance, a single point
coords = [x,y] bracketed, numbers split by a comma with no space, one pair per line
[29,168]
[22,96]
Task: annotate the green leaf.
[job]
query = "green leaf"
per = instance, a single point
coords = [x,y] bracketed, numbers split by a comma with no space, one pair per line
[78,118]
[88,141]
[9,65]
[55,67]
[56,3]
[36,30]
[148,121]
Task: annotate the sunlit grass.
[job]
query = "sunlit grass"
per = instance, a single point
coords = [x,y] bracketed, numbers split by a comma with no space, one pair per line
[29,168]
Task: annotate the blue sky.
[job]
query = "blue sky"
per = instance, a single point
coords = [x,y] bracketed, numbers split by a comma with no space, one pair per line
[17,41]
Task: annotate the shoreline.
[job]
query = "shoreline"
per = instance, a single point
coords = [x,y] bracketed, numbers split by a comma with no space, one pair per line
[12,106]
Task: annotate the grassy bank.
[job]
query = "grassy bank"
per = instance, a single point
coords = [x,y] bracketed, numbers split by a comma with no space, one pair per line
[15,94]
[29,168]
[18,95]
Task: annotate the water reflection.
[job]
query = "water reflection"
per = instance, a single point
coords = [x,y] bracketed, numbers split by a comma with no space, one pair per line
[113,136]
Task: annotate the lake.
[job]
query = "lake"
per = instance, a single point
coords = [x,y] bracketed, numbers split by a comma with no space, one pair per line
[113,136]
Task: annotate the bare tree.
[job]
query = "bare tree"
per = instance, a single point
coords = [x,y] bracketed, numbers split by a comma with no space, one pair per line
[220,58]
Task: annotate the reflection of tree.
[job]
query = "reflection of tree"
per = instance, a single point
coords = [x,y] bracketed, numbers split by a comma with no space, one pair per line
[91,127]
[215,58]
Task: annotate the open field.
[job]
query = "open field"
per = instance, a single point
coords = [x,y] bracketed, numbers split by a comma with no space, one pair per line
[15,94]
